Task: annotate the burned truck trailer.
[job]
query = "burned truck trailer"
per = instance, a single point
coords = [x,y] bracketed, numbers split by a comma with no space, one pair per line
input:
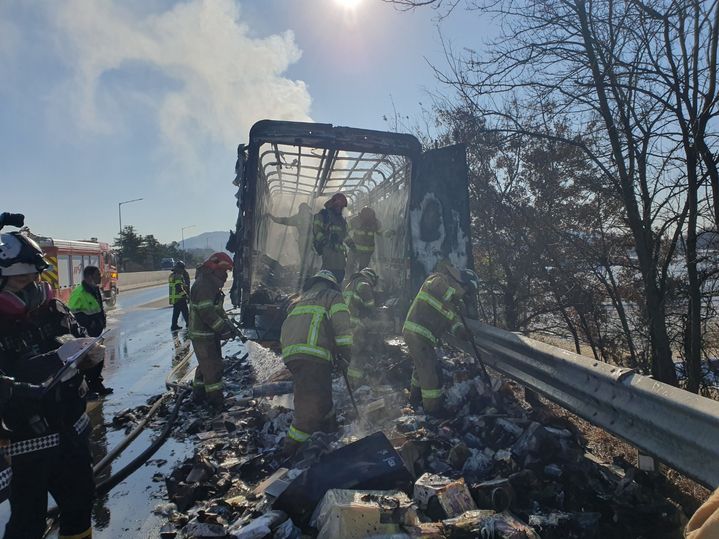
[420,199]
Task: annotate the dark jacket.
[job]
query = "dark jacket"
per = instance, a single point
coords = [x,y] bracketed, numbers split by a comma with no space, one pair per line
[28,342]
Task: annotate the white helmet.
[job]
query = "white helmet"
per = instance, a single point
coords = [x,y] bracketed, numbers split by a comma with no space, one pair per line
[19,255]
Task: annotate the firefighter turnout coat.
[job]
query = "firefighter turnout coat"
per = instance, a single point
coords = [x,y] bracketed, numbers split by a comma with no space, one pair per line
[316,329]
[359,297]
[432,314]
[208,321]
[329,232]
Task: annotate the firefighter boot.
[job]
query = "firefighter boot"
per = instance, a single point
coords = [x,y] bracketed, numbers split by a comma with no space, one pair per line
[289,448]
[436,408]
[415,396]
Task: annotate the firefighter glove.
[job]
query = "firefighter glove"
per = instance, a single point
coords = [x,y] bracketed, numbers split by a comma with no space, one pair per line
[92,358]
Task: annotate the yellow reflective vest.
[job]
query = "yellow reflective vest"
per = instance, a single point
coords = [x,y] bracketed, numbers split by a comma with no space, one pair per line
[178,285]
[318,326]
[433,311]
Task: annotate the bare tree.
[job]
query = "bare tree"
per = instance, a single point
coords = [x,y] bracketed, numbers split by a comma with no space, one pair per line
[639,78]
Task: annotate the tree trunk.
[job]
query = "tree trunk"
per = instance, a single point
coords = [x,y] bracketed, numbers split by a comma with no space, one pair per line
[694,336]
[662,364]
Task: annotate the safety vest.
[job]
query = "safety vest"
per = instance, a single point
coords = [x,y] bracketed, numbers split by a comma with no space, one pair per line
[432,312]
[82,301]
[177,287]
[318,326]
[359,297]
[364,235]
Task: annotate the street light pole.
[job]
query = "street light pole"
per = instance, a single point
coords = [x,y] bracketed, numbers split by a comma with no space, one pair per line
[119,209]
[183,235]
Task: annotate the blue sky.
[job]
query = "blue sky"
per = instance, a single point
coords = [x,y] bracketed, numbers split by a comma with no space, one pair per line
[103,101]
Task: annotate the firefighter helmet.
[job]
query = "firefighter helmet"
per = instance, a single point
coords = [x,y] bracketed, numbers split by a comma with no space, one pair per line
[370,274]
[180,264]
[218,261]
[322,275]
[338,200]
[19,255]
[367,215]
[465,277]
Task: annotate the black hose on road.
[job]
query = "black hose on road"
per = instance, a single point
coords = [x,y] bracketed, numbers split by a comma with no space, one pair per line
[139,460]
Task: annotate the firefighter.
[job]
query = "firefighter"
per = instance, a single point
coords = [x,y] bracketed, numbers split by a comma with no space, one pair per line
[329,233]
[86,304]
[302,222]
[208,324]
[45,437]
[359,297]
[363,230]
[316,331]
[179,284]
[432,313]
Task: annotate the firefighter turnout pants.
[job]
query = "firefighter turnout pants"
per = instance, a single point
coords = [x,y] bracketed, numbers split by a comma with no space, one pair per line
[65,471]
[208,375]
[314,409]
[426,371]
[358,367]
[180,307]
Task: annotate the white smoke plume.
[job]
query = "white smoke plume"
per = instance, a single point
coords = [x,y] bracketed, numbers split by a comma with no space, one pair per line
[218,78]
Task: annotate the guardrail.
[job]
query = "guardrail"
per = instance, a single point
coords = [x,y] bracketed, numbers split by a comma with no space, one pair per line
[673,425]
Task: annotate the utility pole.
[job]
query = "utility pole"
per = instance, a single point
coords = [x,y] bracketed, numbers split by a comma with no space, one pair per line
[119,215]
[119,209]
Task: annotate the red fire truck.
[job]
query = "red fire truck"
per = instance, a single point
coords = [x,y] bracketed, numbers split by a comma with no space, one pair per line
[68,258]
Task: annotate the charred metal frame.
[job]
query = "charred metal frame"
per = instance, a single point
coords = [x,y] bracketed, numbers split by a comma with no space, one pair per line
[349,160]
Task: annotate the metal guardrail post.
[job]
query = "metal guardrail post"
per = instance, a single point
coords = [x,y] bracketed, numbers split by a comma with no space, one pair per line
[677,427]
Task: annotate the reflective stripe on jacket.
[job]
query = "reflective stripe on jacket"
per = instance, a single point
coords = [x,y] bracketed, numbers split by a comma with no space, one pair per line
[318,326]
[207,314]
[359,297]
[433,312]
[363,235]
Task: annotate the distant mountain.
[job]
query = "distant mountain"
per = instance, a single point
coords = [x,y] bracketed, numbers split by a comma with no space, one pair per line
[215,241]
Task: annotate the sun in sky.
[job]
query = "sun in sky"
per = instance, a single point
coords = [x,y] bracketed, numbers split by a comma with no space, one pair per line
[349,4]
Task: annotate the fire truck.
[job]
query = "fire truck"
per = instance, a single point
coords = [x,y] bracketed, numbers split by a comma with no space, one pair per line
[68,258]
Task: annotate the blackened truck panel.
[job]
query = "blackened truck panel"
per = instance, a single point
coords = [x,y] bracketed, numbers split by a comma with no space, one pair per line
[439,212]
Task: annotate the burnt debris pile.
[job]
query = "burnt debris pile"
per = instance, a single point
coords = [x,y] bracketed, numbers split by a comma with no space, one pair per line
[496,468]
